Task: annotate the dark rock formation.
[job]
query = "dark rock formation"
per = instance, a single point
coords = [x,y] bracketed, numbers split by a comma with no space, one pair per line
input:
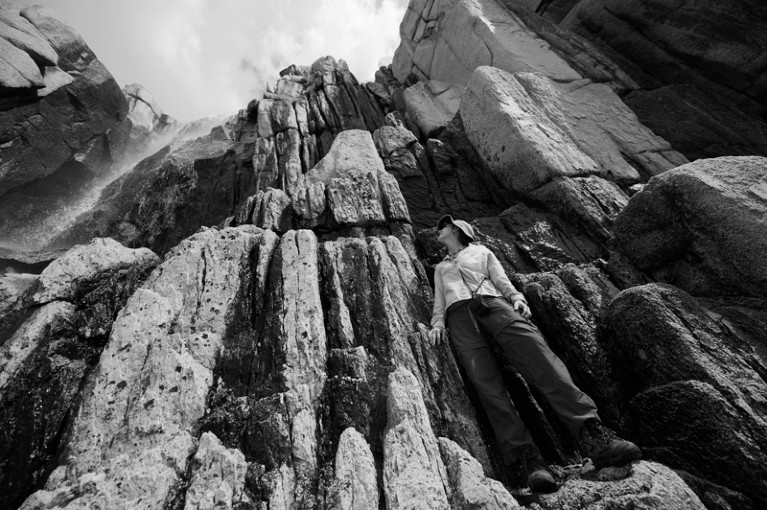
[54,129]
[696,387]
[166,197]
[699,68]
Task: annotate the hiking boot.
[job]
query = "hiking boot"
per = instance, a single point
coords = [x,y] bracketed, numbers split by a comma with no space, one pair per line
[604,447]
[533,468]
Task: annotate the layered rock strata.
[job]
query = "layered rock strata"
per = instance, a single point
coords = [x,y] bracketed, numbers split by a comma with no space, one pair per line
[699,68]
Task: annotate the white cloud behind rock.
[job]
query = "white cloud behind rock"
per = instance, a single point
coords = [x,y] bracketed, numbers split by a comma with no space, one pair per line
[203,57]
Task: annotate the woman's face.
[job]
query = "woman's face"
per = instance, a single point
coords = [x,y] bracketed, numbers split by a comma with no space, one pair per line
[445,233]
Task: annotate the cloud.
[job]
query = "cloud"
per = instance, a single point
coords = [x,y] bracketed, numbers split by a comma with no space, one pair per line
[365,33]
[204,57]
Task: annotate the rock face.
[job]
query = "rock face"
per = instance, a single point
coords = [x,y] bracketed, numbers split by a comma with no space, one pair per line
[160,201]
[54,327]
[643,485]
[699,64]
[696,383]
[434,45]
[702,227]
[54,122]
[277,358]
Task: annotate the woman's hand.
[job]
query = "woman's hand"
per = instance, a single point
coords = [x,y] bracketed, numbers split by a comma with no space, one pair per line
[437,335]
[522,308]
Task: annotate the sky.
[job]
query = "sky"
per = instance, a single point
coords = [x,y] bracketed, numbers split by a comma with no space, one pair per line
[203,58]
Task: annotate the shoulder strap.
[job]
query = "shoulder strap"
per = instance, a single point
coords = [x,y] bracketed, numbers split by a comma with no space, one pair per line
[472,292]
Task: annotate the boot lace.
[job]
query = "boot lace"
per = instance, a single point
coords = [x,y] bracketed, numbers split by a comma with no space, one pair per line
[598,434]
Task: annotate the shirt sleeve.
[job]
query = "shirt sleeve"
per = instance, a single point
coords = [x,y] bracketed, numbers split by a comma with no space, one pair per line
[438,312]
[501,281]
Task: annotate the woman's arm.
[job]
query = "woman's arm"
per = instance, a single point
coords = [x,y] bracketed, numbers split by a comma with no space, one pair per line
[438,311]
[498,276]
[437,333]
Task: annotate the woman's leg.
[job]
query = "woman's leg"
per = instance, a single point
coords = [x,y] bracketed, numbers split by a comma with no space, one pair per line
[526,349]
[481,365]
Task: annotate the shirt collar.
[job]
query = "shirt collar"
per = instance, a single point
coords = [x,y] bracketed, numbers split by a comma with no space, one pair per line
[454,256]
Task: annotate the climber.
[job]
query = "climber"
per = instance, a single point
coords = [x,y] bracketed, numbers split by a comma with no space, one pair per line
[473,295]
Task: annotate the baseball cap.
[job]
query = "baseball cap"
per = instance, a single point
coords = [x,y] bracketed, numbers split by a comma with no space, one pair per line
[464,226]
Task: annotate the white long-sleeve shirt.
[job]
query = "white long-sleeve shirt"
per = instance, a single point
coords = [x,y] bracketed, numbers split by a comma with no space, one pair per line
[476,262]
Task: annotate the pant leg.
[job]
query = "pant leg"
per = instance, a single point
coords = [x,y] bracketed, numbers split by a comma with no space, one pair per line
[526,349]
[481,365]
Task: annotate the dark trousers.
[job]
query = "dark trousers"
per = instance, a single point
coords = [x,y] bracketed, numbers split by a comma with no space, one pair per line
[526,349]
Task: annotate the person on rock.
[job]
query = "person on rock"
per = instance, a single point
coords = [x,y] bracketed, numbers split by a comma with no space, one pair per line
[469,270]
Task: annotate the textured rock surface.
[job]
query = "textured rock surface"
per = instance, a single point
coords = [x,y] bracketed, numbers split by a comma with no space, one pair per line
[414,475]
[164,198]
[524,148]
[697,385]
[52,332]
[470,488]
[722,42]
[642,485]
[218,476]
[547,131]
[53,131]
[702,227]
[151,386]
[718,129]
[356,483]
[434,43]
[698,68]
[86,266]
[284,364]
[432,105]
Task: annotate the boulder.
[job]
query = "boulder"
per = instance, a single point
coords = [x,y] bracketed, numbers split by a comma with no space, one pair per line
[17,69]
[701,227]
[84,267]
[516,140]
[356,485]
[144,109]
[431,105]
[590,203]
[436,46]
[22,34]
[217,476]
[74,54]
[353,153]
[695,383]
[55,140]
[641,485]
[470,488]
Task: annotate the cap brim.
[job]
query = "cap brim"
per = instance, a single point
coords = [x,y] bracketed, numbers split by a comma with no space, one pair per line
[443,220]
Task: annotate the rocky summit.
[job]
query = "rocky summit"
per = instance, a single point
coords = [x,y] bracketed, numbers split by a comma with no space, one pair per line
[232,313]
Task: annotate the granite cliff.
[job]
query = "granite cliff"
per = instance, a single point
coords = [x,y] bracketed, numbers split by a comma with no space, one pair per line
[237,320]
